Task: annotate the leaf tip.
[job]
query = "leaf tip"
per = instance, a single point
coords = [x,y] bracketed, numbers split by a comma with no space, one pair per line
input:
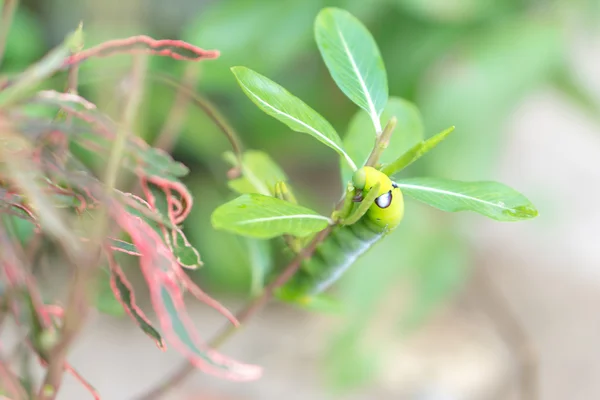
[527,211]
[237,68]
[75,40]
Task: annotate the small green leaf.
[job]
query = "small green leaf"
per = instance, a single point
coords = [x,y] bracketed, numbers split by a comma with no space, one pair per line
[261,263]
[353,59]
[123,293]
[260,173]
[178,325]
[123,246]
[185,254]
[159,163]
[492,199]
[265,217]
[360,138]
[287,108]
[416,152]
[105,299]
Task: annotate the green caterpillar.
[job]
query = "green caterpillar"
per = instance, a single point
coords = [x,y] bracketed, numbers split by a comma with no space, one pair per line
[376,210]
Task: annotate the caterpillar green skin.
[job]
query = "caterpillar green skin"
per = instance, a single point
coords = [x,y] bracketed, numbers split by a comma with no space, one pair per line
[347,243]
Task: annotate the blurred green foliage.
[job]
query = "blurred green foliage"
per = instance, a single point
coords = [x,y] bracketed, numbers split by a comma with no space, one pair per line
[466,63]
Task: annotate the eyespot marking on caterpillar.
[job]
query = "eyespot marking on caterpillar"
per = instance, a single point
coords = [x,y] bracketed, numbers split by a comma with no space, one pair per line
[384,200]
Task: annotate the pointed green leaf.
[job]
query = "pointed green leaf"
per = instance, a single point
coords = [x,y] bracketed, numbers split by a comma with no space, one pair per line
[260,173]
[416,152]
[353,59]
[287,108]
[491,199]
[186,255]
[265,217]
[123,292]
[123,247]
[360,138]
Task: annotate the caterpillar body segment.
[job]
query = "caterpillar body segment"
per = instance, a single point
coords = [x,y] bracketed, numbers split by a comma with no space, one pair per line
[348,241]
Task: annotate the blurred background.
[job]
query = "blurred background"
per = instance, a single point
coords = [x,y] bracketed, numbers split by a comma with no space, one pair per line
[451,306]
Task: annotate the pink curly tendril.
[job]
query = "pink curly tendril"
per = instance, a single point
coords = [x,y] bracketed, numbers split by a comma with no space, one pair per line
[176,49]
[179,204]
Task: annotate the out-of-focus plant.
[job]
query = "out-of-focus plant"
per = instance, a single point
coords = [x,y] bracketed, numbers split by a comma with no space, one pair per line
[321,248]
[463,62]
[50,199]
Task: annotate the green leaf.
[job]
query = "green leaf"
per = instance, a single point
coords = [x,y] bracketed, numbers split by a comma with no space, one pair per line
[353,59]
[105,299]
[287,108]
[261,263]
[242,186]
[416,152]
[159,163]
[492,199]
[185,254]
[123,246]
[123,293]
[260,173]
[360,138]
[265,217]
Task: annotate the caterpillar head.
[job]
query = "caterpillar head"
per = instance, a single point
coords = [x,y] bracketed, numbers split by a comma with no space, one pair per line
[388,209]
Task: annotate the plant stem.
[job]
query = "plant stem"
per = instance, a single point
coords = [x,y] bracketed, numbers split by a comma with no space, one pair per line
[73,73]
[208,109]
[128,117]
[168,135]
[382,142]
[243,316]
[72,83]
[5,21]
